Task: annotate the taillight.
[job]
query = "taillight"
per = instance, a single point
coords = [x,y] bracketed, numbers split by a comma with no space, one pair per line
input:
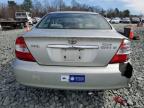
[122,54]
[22,51]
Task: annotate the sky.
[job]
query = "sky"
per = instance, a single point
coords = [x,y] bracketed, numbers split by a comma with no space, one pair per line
[135,6]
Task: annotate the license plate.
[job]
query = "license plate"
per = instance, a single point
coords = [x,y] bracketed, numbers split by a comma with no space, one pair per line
[77,78]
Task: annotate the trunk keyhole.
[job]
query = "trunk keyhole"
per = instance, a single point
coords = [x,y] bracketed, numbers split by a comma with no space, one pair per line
[64,57]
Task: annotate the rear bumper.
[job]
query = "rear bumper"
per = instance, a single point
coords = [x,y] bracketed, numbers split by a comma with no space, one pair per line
[32,74]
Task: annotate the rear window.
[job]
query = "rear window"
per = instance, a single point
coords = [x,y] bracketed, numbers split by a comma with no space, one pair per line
[73,21]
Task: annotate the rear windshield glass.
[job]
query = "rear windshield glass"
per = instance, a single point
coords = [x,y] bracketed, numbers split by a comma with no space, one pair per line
[73,21]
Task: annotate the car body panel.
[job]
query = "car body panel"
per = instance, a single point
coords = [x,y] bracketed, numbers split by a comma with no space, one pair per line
[73,33]
[32,74]
[105,41]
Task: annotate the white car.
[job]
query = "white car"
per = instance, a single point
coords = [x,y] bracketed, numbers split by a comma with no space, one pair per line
[24,16]
[73,50]
[142,19]
[116,20]
[126,20]
[36,20]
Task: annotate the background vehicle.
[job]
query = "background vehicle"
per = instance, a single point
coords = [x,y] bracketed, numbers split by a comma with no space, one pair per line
[24,16]
[115,20]
[135,20]
[18,22]
[36,20]
[10,23]
[125,20]
[142,19]
[73,50]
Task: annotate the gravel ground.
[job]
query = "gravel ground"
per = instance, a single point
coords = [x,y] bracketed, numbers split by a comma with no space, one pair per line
[14,95]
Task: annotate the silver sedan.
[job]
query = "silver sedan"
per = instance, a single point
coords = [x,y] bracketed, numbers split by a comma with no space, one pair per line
[73,50]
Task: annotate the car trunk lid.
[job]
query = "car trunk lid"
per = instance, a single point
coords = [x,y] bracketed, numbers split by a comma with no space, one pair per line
[73,47]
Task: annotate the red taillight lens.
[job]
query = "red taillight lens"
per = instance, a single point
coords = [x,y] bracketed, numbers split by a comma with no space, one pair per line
[119,58]
[22,51]
[123,53]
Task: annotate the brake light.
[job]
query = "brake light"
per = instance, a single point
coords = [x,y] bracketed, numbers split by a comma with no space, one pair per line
[22,51]
[122,54]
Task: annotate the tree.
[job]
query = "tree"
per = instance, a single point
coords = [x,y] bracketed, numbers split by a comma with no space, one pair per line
[117,12]
[97,9]
[110,13]
[11,9]
[27,5]
[102,12]
[11,3]
[126,13]
[61,5]
[46,6]
[37,8]
[58,4]
[74,3]
[121,14]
